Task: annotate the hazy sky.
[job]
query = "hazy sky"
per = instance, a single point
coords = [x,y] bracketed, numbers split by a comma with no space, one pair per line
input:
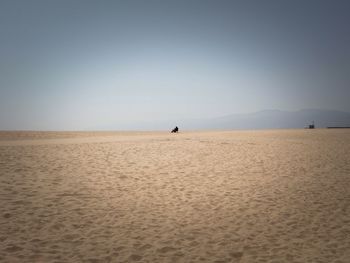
[93,64]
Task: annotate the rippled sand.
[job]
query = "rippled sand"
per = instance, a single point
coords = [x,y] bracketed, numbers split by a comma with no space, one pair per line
[240,196]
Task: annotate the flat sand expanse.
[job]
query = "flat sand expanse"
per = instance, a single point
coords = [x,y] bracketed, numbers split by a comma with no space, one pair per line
[240,196]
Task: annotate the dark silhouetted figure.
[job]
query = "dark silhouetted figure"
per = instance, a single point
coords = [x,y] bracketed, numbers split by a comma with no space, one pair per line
[312,126]
[175,130]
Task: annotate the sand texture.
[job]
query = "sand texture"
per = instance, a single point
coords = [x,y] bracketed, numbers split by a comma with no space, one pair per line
[240,196]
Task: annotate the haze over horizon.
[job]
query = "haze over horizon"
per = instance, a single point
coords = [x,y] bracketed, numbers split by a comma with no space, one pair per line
[76,65]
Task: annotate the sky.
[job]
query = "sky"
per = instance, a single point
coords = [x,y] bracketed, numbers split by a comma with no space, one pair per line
[86,65]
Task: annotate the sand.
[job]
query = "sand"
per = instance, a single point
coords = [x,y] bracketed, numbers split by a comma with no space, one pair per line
[240,196]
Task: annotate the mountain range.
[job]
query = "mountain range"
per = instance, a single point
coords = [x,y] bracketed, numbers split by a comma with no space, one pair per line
[265,119]
[274,119]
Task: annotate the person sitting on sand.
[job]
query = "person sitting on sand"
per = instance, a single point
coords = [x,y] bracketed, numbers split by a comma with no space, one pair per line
[175,130]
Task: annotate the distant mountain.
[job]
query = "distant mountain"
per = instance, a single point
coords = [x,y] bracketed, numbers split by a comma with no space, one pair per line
[265,119]
[273,119]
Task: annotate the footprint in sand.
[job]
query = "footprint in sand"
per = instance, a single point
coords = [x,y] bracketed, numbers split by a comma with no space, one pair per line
[135,257]
[145,247]
[13,248]
[166,249]
[236,255]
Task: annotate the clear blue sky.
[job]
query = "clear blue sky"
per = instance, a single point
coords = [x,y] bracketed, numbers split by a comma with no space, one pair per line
[89,64]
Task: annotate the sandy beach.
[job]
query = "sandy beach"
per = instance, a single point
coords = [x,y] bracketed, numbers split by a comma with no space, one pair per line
[230,196]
